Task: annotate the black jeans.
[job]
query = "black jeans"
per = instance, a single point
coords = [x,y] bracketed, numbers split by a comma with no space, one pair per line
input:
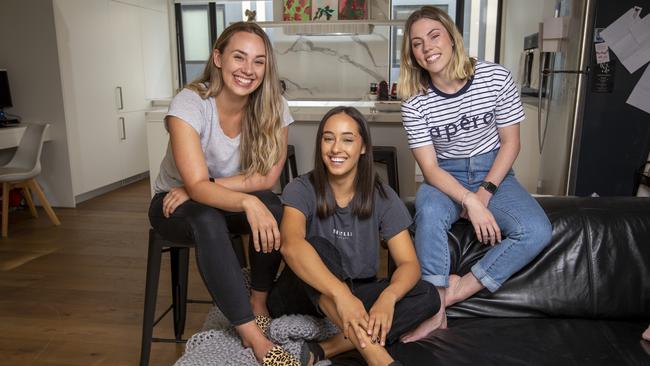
[210,229]
[291,295]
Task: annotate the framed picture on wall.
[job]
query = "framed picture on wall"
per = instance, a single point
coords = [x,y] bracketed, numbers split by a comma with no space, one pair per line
[297,10]
[325,10]
[353,9]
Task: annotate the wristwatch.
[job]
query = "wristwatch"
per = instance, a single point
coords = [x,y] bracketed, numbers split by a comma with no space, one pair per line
[489,186]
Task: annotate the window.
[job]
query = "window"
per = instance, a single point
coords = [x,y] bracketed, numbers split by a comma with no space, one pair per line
[199,23]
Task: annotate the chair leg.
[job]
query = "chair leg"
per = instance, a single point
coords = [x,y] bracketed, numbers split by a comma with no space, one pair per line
[179,259]
[5,209]
[46,204]
[28,198]
[151,292]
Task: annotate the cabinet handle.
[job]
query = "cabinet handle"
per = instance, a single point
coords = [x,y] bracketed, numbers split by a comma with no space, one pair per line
[123,129]
[121,106]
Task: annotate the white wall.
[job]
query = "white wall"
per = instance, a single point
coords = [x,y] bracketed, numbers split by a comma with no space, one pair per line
[29,53]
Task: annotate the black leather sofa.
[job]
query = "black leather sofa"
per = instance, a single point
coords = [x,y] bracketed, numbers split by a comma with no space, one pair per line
[585,300]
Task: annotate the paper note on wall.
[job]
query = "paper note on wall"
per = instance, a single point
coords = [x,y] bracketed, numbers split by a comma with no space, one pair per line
[629,38]
[602,52]
[640,96]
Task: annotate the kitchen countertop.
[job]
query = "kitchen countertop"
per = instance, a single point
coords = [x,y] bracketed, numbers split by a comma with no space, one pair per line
[303,114]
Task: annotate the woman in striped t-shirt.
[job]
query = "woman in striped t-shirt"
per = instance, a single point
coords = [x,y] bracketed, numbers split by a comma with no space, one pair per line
[462,118]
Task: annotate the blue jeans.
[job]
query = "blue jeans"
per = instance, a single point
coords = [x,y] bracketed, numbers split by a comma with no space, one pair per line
[525,229]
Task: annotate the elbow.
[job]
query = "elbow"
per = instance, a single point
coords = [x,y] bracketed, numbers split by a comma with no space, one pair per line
[287,252]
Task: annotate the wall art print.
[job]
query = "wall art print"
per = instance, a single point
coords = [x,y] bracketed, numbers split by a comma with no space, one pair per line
[324,10]
[297,10]
[353,9]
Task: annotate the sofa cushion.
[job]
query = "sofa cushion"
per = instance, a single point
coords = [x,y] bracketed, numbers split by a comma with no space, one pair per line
[492,341]
[597,264]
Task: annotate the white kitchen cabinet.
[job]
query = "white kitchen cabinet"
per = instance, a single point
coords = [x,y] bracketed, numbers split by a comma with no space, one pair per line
[114,58]
[133,143]
[127,57]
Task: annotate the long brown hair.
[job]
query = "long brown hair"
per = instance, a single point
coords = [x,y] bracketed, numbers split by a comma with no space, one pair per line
[366,180]
[261,125]
[413,79]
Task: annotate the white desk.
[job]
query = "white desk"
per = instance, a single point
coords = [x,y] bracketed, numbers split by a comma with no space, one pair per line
[10,136]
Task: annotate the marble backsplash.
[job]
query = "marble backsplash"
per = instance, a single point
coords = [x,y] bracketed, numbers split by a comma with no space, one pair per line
[332,67]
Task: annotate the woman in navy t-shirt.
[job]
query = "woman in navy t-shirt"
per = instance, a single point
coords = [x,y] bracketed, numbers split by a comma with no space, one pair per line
[334,219]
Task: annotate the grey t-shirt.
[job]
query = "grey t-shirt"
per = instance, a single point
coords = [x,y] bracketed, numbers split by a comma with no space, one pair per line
[357,240]
[220,151]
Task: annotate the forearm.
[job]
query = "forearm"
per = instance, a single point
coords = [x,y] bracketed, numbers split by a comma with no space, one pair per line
[404,278]
[215,195]
[305,262]
[503,162]
[242,183]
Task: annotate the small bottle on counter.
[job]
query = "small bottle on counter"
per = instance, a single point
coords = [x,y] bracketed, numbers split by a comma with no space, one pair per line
[383,90]
[393,92]
[372,94]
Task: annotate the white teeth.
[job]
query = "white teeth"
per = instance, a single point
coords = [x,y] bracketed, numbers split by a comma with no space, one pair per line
[337,160]
[243,81]
[433,57]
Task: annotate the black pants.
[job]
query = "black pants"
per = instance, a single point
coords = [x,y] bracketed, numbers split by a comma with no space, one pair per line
[209,228]
[291,295]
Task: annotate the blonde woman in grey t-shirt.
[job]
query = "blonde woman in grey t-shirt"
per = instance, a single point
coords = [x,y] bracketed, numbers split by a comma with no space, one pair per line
[228,140]
[334,219]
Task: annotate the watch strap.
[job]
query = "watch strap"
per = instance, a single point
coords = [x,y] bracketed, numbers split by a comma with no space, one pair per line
[489,186]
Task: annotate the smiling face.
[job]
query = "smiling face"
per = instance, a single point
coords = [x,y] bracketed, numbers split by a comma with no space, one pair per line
[242,63]
[341,145]
[431,45]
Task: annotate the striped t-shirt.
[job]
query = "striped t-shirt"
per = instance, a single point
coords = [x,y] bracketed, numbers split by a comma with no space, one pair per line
[464,124]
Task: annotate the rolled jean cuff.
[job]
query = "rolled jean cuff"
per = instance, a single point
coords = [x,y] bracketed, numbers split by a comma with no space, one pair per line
[437,280]
[484,278]
[243,321]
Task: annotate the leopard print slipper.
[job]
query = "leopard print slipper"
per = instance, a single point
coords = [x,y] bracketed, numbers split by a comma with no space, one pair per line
[277,356]
[264,323]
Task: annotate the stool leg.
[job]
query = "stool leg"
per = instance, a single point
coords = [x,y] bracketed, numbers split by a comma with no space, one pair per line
[180,260]
[151,292]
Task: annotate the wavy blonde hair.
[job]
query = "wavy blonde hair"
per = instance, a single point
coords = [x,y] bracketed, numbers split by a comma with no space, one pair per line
[413,79]
[261,141]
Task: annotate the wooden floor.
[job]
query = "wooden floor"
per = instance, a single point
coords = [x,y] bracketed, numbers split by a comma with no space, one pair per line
[73,294]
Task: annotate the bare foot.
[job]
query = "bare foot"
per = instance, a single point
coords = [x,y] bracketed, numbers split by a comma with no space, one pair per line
[438,321]
[452,290]
[461,288]
[646,334]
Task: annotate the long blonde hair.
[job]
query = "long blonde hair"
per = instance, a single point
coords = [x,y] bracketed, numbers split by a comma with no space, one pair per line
[413,79]
[261,126]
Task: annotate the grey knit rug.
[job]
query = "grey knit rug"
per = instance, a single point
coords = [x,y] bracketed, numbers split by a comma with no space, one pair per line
[218,343]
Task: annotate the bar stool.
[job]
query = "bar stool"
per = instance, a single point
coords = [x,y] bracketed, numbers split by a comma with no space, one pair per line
[388,155]
[179,260]
[286,176]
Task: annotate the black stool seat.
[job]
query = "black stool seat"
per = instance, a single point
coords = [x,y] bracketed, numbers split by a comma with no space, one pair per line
[179,260]
[290,163]
[388,155]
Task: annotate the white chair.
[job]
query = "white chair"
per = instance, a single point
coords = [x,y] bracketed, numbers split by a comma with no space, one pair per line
[21,172]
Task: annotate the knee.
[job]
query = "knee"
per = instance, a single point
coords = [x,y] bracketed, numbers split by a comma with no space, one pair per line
[272,202]
[537,232]
[428,299]
[431,298]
